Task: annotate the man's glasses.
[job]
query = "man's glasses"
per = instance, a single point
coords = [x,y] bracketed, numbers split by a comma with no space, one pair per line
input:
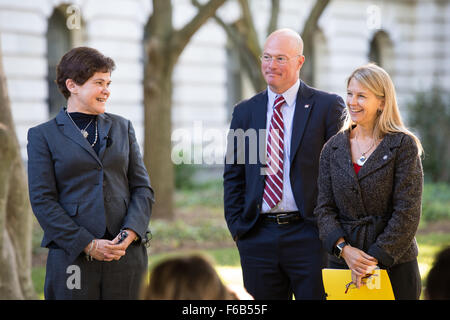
[267,58]
[352,285]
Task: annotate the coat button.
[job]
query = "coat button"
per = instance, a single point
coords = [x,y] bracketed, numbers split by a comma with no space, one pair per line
[385,157]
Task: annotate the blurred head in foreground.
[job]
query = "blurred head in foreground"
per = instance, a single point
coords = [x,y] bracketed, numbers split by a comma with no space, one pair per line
[190,277]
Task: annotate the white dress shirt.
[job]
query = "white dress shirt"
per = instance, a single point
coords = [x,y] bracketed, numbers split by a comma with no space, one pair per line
[287,203]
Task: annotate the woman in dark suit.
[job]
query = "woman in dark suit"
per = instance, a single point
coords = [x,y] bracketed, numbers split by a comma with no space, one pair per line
[370,187]
[88,185]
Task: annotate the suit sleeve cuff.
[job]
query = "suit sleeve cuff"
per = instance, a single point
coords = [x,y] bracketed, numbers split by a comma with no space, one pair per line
[383,258]
[332,238]
[83,239]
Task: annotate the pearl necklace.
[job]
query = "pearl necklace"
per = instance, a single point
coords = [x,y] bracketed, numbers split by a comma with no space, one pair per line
[84,132]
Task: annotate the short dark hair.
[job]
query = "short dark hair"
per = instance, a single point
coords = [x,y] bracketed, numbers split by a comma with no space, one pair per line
[79,64]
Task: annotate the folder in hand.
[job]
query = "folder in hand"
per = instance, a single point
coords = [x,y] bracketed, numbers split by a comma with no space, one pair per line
[338,285]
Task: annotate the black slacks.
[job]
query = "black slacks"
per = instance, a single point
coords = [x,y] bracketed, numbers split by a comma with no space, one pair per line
[94,280]
[279,261]
[405,279]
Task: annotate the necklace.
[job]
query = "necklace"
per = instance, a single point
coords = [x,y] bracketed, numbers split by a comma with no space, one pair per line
[84,132]
[96,134]
[362,159]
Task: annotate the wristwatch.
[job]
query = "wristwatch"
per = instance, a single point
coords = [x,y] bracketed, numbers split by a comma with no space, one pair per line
[338,249]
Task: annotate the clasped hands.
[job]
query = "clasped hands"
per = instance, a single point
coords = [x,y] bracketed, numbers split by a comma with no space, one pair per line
[359,262]
[108,250]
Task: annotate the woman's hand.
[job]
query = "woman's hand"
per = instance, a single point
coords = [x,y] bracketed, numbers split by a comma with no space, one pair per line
[359,262]
[125,243]
[104,250]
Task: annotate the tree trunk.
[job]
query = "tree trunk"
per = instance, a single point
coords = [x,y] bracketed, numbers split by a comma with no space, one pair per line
[309,28]
[158,128]
[15,210]
[163,49]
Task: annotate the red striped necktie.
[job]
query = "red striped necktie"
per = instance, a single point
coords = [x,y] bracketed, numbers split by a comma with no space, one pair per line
[273,190]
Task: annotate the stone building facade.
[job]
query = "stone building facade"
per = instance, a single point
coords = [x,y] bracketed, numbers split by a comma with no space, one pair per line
[409,38]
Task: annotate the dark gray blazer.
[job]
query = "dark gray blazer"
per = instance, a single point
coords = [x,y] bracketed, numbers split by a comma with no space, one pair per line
[76,194]
[378,210]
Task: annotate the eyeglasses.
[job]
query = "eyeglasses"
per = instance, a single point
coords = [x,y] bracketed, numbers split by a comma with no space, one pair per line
[267,58]
[352,285]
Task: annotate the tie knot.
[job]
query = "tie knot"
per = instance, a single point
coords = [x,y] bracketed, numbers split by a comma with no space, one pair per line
[278,102]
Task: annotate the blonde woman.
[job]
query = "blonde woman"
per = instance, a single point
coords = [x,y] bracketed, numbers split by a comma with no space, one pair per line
[370,187]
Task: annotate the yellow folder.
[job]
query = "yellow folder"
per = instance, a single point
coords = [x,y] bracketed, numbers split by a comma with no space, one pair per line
[338,285]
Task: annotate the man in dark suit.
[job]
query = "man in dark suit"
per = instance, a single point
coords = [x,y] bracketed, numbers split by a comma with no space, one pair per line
[87,184]
[269,209]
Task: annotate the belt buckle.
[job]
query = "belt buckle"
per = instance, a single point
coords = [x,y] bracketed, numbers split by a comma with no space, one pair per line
[282,215]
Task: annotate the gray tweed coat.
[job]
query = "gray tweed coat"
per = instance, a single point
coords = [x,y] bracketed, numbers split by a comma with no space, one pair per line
[378,210]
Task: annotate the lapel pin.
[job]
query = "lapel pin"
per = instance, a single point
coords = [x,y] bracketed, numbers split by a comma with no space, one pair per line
[306,106]
[385,157]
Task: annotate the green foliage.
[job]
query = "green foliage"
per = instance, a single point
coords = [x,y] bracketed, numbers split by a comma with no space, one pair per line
[435,202]
[429,115]
[429,246]
[175,234]
[208,194]
[226,256]
[38,277]
[184,176]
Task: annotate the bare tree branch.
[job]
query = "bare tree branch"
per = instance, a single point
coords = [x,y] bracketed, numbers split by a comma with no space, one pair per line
[309,28]
[236,33]
[181,38]
[250,30]
[274,13]
[311,23]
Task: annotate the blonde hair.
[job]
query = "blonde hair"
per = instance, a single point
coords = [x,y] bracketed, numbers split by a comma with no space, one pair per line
[389,120]
[190,277]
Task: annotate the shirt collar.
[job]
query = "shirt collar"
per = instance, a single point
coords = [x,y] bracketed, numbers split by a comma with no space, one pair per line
[290,95]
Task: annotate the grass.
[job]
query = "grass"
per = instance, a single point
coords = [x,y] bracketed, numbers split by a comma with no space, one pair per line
[429,246]
[38,277]
[435,203]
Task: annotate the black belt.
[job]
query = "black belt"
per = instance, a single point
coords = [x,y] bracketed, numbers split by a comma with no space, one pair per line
[282,218]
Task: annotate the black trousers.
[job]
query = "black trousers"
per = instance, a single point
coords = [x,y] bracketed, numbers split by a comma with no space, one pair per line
[405,278]
[279,261]
[95,280]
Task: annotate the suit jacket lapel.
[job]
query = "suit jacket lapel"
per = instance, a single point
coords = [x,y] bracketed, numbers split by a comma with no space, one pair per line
[70,130]
[104,126]
[381,156]
[259,122]
[303,106]
[342,155]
